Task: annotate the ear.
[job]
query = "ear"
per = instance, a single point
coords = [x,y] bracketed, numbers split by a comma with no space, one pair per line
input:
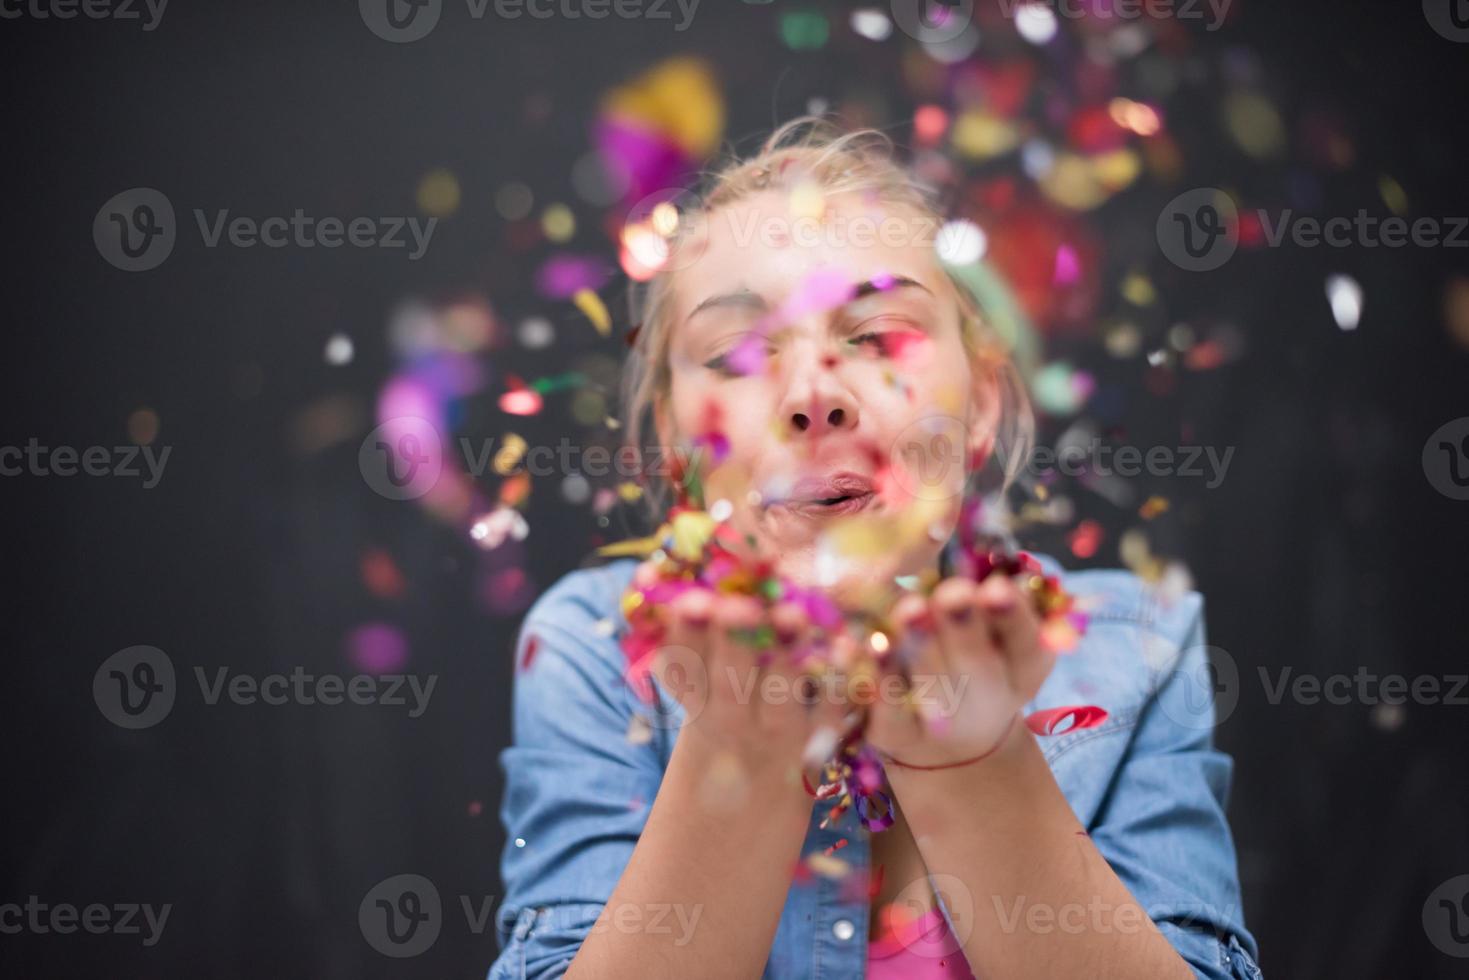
[984,410]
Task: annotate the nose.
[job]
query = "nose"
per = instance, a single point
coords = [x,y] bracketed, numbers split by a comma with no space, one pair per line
[815,401]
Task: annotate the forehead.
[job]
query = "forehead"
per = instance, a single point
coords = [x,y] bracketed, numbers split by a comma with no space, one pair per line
[771,242]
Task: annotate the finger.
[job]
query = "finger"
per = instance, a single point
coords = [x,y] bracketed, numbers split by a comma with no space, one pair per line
[786,708]
[1015,628]
[733,655]
[680,664]
[970,654]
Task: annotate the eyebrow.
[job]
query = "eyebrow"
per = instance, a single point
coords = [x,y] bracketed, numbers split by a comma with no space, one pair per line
[750,300]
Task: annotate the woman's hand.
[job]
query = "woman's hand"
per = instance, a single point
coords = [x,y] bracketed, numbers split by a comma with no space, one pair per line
[750,708]
[978,659]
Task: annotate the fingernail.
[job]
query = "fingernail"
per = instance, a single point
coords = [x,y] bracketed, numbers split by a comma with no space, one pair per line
[960,615]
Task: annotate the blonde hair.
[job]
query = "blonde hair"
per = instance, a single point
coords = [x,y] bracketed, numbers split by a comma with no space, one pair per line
[814,150]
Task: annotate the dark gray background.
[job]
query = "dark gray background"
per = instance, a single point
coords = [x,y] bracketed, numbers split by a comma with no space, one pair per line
[1326,548]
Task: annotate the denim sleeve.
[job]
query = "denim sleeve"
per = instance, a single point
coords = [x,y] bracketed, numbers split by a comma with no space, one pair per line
[577,789]
[1163,828]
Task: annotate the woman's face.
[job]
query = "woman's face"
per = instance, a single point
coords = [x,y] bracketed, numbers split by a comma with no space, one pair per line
[827,357]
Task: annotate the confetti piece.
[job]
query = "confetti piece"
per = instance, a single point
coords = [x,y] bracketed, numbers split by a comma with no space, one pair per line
[1059,721]
[1152,507]
[511,452]
[592,306]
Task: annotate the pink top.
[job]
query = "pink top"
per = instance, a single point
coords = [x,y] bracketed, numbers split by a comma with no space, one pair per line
[922,949]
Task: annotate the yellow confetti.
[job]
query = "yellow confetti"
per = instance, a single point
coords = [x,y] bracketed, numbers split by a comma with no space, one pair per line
[1138,290]
[679,97]
[637,547]
[558,223]
[438,193]
[1117,169]
[591,304]
[508,456]
[1152,507]
[1393,194]
[807,200]
[980,135]
[828,867]
[691,531]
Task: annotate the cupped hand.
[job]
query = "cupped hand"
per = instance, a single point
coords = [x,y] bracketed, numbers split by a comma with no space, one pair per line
[740,671]
[974,659]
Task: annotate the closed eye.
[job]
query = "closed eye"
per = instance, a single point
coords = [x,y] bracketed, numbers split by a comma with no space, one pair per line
[887,343]
[721,362]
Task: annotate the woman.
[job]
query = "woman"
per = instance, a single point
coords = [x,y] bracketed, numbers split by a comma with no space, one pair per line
[805,342]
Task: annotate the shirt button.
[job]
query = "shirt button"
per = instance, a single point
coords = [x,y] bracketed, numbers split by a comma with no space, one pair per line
[843,929]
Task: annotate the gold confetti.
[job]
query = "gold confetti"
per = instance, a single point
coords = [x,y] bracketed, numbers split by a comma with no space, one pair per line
[1152,507]
[595,310]
[508,456]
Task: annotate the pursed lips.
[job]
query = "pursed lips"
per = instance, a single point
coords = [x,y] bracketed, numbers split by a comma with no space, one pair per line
[839,493]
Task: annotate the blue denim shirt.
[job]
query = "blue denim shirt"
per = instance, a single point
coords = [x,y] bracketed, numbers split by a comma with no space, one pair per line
[1147,784]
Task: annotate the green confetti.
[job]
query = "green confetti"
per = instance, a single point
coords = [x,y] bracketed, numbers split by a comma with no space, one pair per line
[804,30]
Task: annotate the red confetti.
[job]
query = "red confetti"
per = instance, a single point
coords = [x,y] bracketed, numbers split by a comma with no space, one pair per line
[1052,721]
